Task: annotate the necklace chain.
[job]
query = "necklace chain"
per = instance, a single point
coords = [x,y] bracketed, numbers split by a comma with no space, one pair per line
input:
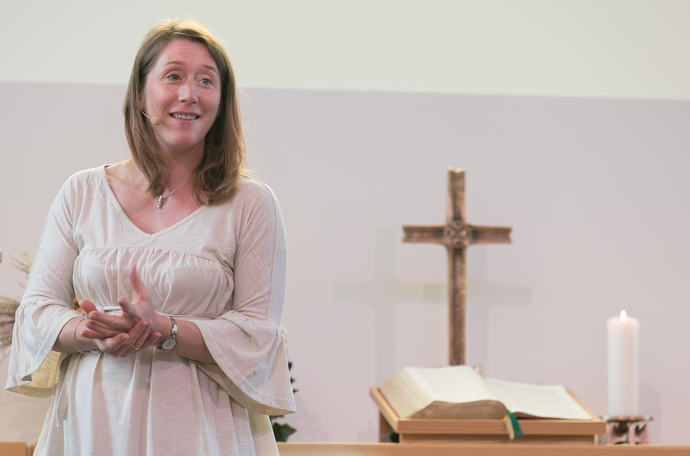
[162,199]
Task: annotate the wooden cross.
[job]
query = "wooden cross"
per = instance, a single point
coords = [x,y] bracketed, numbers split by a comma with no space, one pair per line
[456,235]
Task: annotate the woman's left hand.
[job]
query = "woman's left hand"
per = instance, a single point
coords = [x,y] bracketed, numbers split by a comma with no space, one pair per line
[139,309]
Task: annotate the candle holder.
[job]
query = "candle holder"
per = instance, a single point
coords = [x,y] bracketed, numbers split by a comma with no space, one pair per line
[625,430]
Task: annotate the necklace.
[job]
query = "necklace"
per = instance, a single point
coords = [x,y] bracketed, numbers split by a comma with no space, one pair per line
[162,199]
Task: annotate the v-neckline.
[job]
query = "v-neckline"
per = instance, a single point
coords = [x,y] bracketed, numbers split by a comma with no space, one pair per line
[111,196]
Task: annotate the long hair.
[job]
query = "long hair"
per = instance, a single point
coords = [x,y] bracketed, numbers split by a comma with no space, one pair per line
[219,172]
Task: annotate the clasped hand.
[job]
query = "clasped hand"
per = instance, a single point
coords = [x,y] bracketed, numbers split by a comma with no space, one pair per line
[122,335]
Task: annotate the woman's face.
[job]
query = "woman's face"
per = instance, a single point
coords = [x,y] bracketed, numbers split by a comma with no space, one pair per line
[183,90]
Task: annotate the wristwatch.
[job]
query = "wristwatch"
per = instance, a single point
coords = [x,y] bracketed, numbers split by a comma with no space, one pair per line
[170,342]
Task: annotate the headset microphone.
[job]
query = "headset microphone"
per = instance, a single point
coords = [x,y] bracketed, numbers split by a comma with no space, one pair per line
[155,121]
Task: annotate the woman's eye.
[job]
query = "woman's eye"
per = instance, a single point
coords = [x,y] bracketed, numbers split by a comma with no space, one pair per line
[174,77]
[206,81]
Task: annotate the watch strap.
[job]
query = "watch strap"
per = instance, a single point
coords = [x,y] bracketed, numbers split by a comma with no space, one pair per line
[170,342]
[174,327]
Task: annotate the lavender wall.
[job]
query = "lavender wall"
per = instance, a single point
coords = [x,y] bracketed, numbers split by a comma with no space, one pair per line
[593,188]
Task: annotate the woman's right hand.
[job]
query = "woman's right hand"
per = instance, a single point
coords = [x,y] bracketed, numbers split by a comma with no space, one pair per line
[116,342]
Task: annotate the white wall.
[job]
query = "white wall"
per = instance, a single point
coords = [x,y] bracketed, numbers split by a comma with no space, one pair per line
[593,187]
[600,48]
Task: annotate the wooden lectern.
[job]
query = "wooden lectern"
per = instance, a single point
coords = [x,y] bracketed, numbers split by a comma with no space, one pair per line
[486,431]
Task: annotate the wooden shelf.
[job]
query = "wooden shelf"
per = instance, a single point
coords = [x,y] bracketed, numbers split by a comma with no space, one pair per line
[469,449]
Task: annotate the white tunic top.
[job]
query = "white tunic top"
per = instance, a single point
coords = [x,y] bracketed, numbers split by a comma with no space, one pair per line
[222,267]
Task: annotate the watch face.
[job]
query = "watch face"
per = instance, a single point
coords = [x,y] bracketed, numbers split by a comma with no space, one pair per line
[169,343]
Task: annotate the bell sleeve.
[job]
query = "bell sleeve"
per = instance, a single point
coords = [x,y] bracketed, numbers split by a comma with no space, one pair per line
[246,342]
[46,305]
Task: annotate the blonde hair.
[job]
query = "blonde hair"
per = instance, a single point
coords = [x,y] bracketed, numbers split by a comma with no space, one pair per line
[219,172]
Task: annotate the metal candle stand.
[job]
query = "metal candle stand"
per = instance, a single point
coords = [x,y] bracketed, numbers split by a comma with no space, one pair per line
[626,430]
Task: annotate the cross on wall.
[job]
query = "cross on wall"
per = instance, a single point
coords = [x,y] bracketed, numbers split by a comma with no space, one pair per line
[456,235]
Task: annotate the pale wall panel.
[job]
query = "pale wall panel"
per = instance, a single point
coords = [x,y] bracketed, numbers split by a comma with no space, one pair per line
[603,48]
[595,190]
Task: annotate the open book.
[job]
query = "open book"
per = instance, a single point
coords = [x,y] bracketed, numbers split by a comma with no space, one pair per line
[457,392]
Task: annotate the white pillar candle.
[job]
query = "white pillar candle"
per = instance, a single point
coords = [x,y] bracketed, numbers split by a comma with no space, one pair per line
[623,347]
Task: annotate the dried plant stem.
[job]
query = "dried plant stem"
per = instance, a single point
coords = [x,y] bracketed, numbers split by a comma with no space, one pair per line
[23,263]
[8,306]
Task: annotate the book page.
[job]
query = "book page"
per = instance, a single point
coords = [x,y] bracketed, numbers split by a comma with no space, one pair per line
[544,401]
[446,392]
[453,384]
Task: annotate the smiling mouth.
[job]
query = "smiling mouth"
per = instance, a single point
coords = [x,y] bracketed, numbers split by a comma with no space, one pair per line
[184,116]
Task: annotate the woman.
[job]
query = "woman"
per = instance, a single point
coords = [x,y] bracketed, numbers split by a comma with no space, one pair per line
[178,261]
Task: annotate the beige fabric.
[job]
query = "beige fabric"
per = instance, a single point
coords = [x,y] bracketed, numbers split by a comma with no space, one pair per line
[222,267]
